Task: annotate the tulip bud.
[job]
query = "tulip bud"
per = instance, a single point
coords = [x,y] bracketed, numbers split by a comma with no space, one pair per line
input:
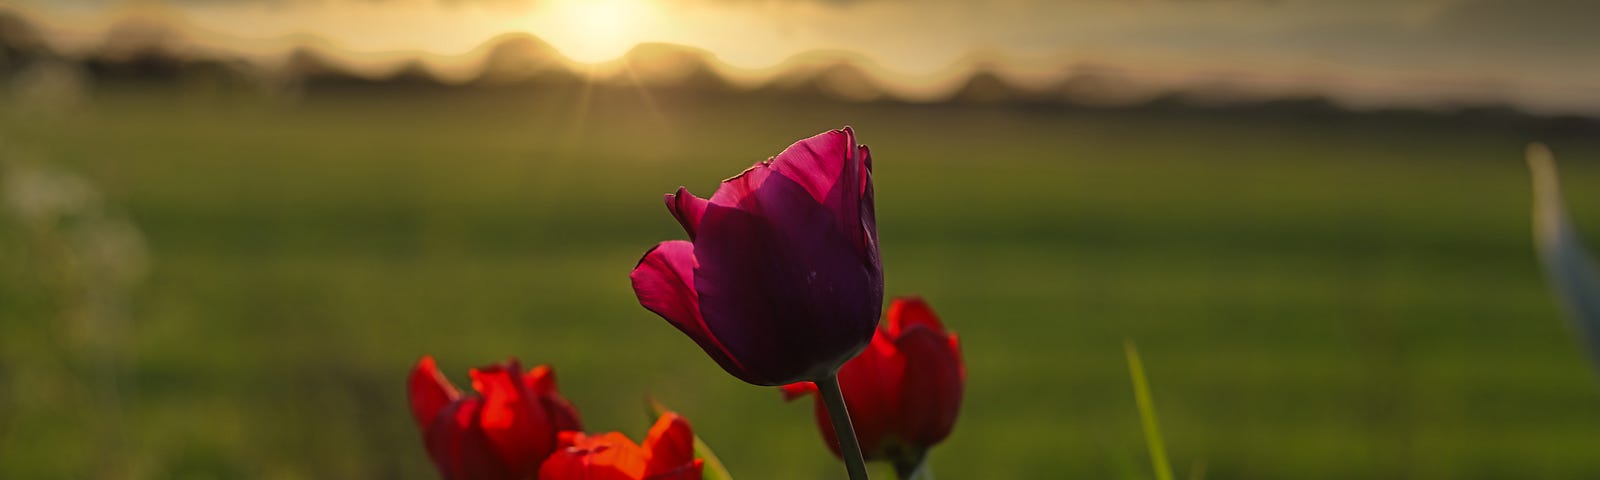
[504,432]
[780,281]
[903,391]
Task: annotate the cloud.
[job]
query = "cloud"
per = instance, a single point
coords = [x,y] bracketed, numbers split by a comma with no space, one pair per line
[1540,45]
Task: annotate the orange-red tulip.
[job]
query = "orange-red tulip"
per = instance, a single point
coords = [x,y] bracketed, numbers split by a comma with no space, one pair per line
[667,454]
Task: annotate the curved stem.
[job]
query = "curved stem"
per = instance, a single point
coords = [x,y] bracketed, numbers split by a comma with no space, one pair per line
[849,448]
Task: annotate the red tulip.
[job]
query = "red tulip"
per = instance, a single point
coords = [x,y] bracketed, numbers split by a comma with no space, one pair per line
[780,281]
[667,454]
[903,392]
[504,432]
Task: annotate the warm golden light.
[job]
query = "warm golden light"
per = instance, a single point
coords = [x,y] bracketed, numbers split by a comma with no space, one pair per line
[596,30]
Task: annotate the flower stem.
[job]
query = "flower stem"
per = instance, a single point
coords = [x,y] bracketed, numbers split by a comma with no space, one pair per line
[849,448]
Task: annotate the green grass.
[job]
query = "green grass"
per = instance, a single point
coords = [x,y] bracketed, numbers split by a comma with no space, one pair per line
[1338,300]
[1147,414]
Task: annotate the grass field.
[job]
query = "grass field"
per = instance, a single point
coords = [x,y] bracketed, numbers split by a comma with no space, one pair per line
[1337,299]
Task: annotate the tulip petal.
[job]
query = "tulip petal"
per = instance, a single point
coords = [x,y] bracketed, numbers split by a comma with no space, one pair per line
[797,390]
[773,265]
[614,456]
[821,165]
[934,372]
[687,208]
[821,162]
[705,460]
[430,392]
[688,471]
[869,216]
[611,456]
[443,437]
[955,346]
[459,448]
[562,465]
[541,380]
[664,283]
[905,312]
[512,418]
[733,191]
[669,445]
[865,154]
[834,171]
[872,388]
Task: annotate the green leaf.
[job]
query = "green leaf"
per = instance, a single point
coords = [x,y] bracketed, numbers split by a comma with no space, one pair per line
[1147,413]
[712,468]
[1567,265]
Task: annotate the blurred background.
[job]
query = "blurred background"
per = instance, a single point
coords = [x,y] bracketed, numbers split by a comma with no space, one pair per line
[229,228]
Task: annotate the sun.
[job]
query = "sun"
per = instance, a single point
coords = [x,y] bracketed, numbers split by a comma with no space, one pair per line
[594,31]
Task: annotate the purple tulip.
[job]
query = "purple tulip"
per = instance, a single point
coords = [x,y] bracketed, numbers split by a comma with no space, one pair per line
[780,281]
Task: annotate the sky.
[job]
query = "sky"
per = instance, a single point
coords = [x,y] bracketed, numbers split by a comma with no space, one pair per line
[1542,55]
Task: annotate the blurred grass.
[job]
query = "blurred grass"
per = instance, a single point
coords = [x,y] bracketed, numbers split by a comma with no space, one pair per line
[1319,299]
[1148,419]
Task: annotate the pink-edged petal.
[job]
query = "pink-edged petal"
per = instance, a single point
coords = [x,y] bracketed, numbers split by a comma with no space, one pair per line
[905,312]
[430,392]
[733,191]
[664,283]
[826,166]
[669,446]
[832,169]
[933,383]
[687,208]
[821,162]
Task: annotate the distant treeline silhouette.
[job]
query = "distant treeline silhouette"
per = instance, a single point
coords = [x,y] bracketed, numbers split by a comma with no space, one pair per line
[144,53]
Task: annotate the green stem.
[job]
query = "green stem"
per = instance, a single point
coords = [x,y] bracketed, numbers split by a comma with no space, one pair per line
[849,448]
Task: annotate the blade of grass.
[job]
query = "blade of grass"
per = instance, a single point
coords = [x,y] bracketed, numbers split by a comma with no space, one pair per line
[1147,413]
[1568,266]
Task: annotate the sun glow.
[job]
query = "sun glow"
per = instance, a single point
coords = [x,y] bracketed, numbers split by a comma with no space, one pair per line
[596,30]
